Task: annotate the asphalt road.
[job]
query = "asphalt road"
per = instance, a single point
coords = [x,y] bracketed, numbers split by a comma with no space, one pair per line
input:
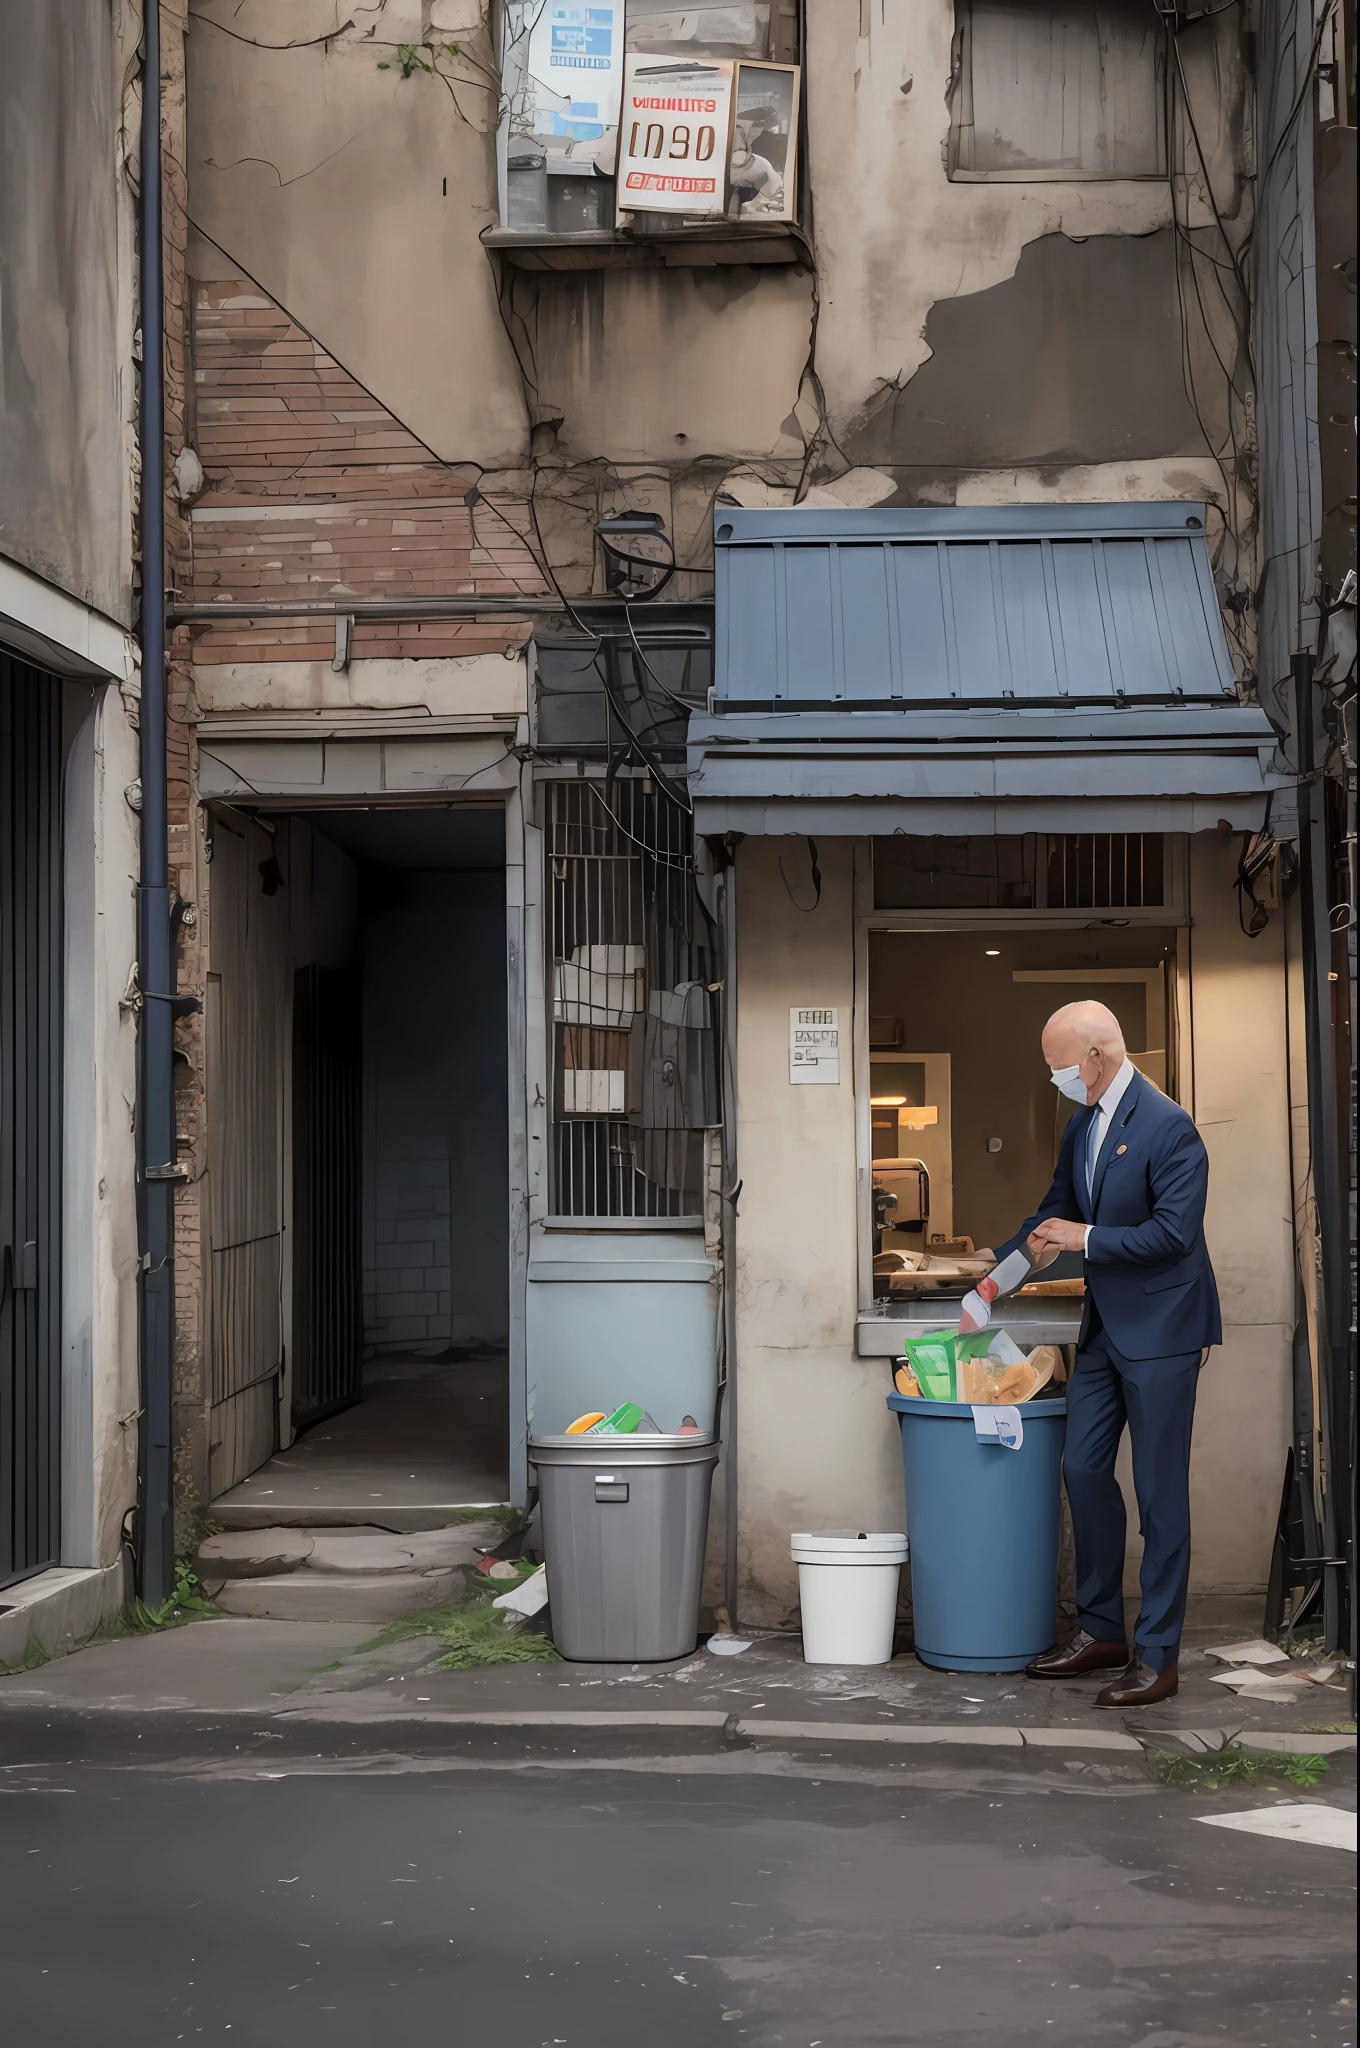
[639,1903]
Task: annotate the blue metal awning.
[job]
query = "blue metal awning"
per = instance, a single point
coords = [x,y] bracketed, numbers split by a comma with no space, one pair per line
[961,670]
[950,605]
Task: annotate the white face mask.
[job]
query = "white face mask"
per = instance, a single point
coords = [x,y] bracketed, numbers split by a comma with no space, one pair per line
[1068,1082]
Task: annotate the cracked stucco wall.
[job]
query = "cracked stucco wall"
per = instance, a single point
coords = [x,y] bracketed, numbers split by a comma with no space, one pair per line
[969,337]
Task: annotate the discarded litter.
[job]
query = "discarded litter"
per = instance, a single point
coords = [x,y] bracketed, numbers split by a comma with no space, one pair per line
[1324,1827]
[529,1598]
[727,1646]
[1257,1651]
[628,1419]
[981,1370]
[1259,1684]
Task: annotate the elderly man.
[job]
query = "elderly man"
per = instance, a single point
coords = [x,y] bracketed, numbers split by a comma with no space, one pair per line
[1128,1193]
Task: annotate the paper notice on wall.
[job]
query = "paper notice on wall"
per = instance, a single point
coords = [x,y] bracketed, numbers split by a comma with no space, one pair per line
[814,1045]
[574,75]
[674,136]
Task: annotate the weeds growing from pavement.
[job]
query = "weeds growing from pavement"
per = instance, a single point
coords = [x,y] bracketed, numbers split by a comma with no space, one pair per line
[1231,1766]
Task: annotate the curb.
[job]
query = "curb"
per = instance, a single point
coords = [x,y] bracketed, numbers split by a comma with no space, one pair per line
[343,1712]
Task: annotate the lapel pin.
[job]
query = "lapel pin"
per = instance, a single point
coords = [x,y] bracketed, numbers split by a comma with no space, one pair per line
[1120,1150]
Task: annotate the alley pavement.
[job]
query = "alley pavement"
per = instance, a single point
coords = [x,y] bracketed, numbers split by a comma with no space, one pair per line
[286,1832]
[768,1896]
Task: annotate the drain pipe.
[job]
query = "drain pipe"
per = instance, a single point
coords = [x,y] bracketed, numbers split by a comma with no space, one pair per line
[156,1168]
[731,1194]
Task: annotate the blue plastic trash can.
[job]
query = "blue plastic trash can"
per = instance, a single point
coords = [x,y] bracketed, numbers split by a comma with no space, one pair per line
[982,1523]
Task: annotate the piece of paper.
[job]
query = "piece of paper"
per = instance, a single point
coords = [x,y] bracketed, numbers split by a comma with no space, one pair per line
[999,1426]
[1266,1689]
[727,1646]
[1257,1651]
[530,1598]
[814,1045]
[1004,1347]
[1325,1827]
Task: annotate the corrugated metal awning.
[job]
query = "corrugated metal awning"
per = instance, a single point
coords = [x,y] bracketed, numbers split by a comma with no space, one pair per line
[950,605]
[1160,770]
[975,670]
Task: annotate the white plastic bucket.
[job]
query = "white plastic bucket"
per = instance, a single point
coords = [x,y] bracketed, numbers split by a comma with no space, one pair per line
[847,1586]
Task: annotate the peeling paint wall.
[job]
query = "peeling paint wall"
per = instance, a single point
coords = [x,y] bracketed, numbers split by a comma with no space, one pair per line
[354,197]
[66,392]
[950,331]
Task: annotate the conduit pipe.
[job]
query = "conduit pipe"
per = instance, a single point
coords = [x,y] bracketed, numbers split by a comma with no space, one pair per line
[155,1119]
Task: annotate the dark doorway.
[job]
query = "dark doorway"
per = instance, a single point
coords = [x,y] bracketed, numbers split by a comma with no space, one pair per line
[393,1152]
[327,1191]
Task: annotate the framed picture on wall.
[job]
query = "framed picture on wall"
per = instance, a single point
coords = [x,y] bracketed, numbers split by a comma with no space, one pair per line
[763,164]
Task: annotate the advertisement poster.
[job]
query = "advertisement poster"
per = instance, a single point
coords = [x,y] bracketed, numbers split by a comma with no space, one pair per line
[674,135]
[574,72]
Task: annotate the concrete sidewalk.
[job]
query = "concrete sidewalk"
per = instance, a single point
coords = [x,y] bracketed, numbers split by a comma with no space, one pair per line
[316,1675]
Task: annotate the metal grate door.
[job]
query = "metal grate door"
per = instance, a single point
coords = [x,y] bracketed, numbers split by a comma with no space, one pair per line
[30,1118]
[327,1168]
[631,967]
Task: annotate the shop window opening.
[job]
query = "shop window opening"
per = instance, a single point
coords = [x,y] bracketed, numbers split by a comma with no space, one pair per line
[964,1123]
[631,964]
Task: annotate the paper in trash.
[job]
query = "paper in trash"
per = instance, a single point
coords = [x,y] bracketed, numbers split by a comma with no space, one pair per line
[994,1425]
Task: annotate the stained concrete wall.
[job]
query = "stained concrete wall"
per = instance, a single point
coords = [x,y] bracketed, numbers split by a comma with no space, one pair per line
[100,1398]
[66,390]
[817,1445]
[355,197]
[944,339]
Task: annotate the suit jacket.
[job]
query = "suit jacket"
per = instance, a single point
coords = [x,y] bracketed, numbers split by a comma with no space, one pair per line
[1147,1265]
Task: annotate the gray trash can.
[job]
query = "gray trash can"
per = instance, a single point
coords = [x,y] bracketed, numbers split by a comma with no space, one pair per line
[625,1519]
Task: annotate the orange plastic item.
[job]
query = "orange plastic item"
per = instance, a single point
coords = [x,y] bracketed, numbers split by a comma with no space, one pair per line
[585,1422]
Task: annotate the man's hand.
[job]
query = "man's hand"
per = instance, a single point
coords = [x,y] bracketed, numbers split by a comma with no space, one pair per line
[1054,1236]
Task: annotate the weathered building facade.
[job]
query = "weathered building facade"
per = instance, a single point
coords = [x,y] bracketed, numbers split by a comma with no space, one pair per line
[601,629]
[69,689]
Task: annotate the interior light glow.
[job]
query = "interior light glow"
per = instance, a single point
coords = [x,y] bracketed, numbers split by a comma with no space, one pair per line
[994,952]
[887,1102]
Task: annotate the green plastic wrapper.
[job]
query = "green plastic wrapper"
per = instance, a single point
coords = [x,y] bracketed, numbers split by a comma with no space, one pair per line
[935,1356]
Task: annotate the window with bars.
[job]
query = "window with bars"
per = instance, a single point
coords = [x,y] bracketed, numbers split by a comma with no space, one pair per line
[1105,870]
[631,963]
[1028,871]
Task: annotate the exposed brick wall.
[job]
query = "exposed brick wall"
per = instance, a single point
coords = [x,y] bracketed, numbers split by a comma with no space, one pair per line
[314,490]
[187,875]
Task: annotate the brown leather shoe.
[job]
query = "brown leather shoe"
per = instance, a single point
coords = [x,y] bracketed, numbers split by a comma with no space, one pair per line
[1139,1686]
[1075,1659]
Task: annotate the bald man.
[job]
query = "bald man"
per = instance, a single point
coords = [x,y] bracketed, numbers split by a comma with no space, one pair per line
[1128,1193]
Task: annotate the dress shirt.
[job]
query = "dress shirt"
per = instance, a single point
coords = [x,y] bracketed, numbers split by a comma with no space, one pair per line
[1100,1130]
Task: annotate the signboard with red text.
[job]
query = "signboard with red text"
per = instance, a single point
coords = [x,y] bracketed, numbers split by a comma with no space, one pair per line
[674,134]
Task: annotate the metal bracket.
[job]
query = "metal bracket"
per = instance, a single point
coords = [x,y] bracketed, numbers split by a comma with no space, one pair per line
[172,1170]
[180,1005]
[344,628]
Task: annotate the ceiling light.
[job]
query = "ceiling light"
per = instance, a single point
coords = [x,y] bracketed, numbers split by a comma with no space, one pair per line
[994,952]
[887,1101]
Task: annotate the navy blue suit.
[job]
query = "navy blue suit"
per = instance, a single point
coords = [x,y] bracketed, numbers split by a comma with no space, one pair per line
[1151,1308]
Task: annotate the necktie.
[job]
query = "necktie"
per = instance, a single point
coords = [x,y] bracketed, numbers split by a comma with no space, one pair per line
[1092,1154]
